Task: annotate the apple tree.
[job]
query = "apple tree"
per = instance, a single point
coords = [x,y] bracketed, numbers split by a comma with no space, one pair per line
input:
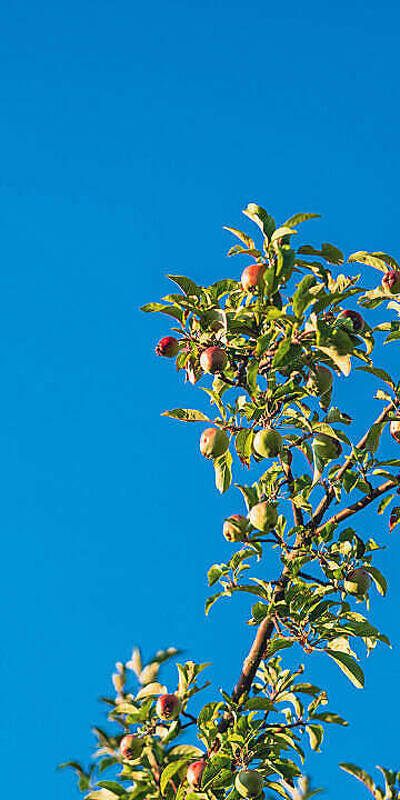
[268,348]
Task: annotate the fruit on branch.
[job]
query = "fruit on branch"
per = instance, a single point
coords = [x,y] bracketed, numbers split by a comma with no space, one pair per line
[214,319]
[357,321]
[213,442]
[357,582]
[249,783]
[130,746]
[263,516]
[214,359]
[267,443]
[168,707]
[319,381]
[168,346]
[395,429]
[326,447]
[235,528]
[391,282]
[194,774]
[252,277]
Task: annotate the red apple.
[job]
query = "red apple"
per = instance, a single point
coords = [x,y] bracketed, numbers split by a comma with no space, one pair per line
[356,319]
[168,707]
[214,359]
[252,277]
[168,346]
[391,282]
[194,773]
[395,429]
[213,442]
[130,747]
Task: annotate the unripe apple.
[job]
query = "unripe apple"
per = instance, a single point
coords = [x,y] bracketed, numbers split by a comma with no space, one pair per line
[214,359]
[357,582]
[214,319]
[168,707]
[263,516]
[194,773]
[252,277]
[326,447]
[213,442]
[319,382]
[235,527]
[395,429]
[168,346]
[267,443]
[358,322]
[249,783]
[391,282]
[130,746]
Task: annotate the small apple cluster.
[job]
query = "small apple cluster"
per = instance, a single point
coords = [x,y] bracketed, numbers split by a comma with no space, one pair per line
[262,516]
[248,782]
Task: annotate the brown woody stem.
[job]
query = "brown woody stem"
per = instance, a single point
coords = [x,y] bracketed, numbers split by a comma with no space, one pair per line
[266,628]
[327,499]
[360,504]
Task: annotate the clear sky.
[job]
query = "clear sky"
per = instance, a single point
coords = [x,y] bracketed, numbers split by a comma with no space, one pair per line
[130,133]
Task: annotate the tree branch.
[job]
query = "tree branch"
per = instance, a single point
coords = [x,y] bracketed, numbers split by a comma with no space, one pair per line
[327,499]
[266,628]
[360,504]
[297,512]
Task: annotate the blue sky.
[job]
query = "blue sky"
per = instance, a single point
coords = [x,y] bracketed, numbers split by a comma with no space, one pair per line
[130,134]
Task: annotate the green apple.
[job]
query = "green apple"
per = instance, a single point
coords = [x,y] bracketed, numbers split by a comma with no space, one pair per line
[267,443]
[263,516]
[326,447]
[213,442]
[249,783]
[357,582]
[235,528]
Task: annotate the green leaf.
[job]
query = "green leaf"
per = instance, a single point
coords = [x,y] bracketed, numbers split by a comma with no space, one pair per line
[247,240]
[330,718]
[188,286]
[375,260]
[260,216]
[374,435]
[259,704]
[211,600]
[169,771]
[328,251]
[377,577]
[379,373]
[186,415]
[113,786]
[151,690]
[297,219]
[223,471]
[349,666]
[243,444]
[284,230]
[316,734]
[302,297]
[360,774]
[172,311]
[215,572]
[341,361]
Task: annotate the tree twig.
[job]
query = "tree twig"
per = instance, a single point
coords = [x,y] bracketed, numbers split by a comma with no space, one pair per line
[327,499]
[359,504]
